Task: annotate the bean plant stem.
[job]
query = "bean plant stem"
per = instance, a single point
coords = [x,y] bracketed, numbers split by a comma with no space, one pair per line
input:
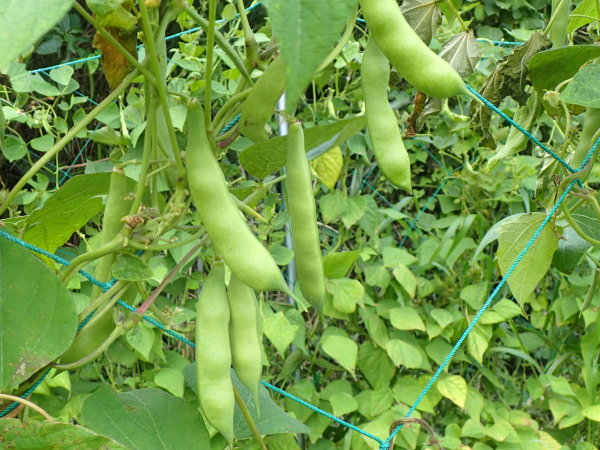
[240,401]
[66,139]
[455,11]
[210,48]
[342,42]
[148,134]
[116,44]
[160,87]
[551,22]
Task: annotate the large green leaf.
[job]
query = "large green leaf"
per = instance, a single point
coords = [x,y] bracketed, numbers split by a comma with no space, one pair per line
[146,419]
[266,157]
[272,420]
[22,23]
[585,12]
[513,236]
[33,435]
[306,31]
[38,320]
[587,220]
[569,252]
[66,211]
[549,68]
[584,90]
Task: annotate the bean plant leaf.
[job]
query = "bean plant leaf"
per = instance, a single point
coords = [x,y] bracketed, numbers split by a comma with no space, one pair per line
[423,16]
[346,294]
[526,116]
[569,252]
[337,265]
[25,303]
[513,236]
[115,66]
[587,220]
[454,388]
[272,420]
[146,419]
[280,331]
[463,53]
[66,211]
[550,67]
[22,24]
[336,343]
[38,435]
[584,89]
[328,167]
[264,158]
[404,354]
[131,268]
[303,39]
[509,78]
[582,15]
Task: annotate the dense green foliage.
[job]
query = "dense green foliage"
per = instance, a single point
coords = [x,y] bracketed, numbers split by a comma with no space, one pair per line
[405,273]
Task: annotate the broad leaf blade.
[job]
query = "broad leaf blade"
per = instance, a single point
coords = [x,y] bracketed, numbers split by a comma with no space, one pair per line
[549,68]
[31,294]
[584,90]
[303,38]
[22,23]
[266,157]
[273,419]
[38,435]
[146,419]
[424,16]
[513,236]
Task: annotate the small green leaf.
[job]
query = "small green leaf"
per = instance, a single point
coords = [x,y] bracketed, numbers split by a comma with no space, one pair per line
[280,331]
[282,255]
[378,275]
[337,265]
[569,252]
[33,434]
[404,354]
[582,15]
[584,89]
[170,379]
[406,279]
[406,318]
[303,39]
[332,206]
[42,143]
[328,167]
[14,148]
[375,364]
[141,338]
[355,209]
[343,403]
[346,294]
[592,413]
[454,388]
[130,267]
[340,347]
[62,74]
[512,237]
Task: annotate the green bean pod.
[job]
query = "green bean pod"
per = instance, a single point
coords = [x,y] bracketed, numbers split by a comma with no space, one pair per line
[590,293]
[116,208]
[261,102]
[414,60]
[560,22]
[244,335]
[590,126]
[213,354]
[244,254]
[384,132]
[305,233]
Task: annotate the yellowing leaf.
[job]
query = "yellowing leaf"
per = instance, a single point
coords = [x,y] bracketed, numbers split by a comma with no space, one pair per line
[328,167]
[115,66]
[513,236]
[454,388]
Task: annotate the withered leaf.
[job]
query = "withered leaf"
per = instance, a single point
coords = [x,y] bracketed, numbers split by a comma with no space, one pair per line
[424,16]
[463,54]
[509,78]
[115,66]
